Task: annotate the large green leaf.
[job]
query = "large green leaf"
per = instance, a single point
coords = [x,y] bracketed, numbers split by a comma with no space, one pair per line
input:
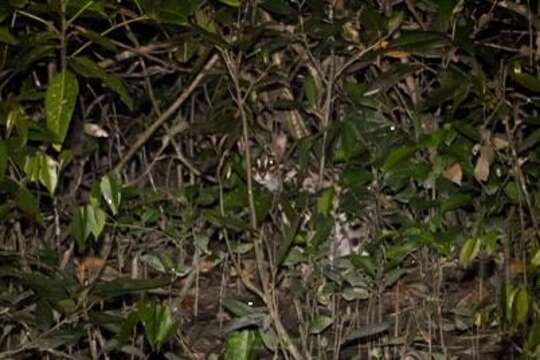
[418,41]
[87,68]
[324,202]
[111,190]
[48,172]
[445,12]
[99,39]
[278,7]
[320,323]
[394,75]
[87,220]
[121,287]
[59,104]
[312,91]
[5,10]
[233,3]
[28,203]
[456,201]
[521,306]
[242,345]
[81,224]
[528,81]
[452,84]
[397,156]
[470,250]
[530,141]
[158,322]
[6,37]
[170,11]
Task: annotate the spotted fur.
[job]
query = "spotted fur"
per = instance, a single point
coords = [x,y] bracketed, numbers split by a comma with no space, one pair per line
[348,235]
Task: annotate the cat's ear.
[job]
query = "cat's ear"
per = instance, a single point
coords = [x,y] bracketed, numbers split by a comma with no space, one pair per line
[279,145]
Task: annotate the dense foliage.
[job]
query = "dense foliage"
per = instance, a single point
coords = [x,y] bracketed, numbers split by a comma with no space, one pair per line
[131,225]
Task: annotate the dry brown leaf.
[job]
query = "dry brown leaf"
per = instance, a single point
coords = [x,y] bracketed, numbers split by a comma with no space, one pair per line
[483,163]
[454,173]
[91,266]
[397,54]
[517,266]
[499,141]
[481,170]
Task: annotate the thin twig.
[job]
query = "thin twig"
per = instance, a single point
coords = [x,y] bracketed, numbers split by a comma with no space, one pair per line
[147,134]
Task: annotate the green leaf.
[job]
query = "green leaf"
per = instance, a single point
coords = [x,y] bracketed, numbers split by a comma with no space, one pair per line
[365,263]
[445,11]
[158,322]
[451,85]
[236,307]
[99,222]
[242,345]
[372,21]
[392,77]
[59,105]
[469,251]
[128,325]
[456,201]
[397,156]
[19,119]
[351,293]
[530,141]
[533,338]
[521,306]
[466,129]
[82,223]
[535,261]
[324,203]
[508,300]
[3,159]
[28,203]
[369,330]
[420,40]
[25,58]
[511,190]
[87,220]
[528,81]
[233,3]
[32,166]
[6,37]
[312,92]
[278,7]
[122,286]
[320,323]
[47,288]
[490,239]
[89,69]
[111,190]
[349,146]
[48,172]
[170,11]
[99,39]
[83,8]
[5,10]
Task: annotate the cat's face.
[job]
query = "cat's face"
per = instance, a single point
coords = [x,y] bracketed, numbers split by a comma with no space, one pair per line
[267,173]
[267,170]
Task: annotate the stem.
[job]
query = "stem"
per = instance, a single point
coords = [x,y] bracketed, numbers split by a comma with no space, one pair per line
[268,298]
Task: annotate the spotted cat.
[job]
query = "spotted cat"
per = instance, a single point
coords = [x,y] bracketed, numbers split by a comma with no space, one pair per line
[347,235]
